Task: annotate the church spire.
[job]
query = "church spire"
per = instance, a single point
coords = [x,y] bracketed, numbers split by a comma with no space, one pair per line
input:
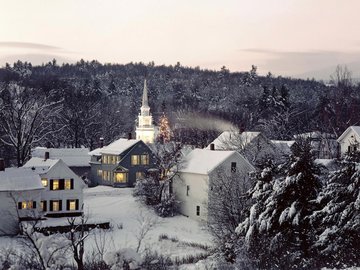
[145,102]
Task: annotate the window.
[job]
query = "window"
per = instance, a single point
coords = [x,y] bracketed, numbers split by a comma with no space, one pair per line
[187,190]
[104,159]
[27,205]
[56,206]
[114,159]
[72,205]
[198,210]
[140,175]
[44,182]
[135,160]
[106,175]
[145,159]
[54,184]
[69,183]
[120,177]
[43,206]
[233,167]
[99,172]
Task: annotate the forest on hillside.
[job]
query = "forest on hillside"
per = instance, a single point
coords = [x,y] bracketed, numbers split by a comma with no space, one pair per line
[73,105]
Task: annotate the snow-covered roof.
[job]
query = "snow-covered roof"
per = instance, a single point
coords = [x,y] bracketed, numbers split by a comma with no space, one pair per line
[314,135]
[355,129]
[283,146]
[73,157]
[40,165]
[203,161]
[19,179]
[231,140]
[115,148]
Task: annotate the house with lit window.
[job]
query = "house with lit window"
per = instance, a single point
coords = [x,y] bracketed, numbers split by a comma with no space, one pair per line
[198,175]
[349,141]
[20,196]
[120,163]
[62,193]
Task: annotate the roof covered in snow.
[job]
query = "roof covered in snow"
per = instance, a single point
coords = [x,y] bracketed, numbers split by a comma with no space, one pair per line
[355,129]
[231,140]
[73,157]
[315,135]
[19,179]
[40,165]
[115,148]
[203,161]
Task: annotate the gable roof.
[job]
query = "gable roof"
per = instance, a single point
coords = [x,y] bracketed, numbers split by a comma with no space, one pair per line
[73,157]
[40,165]
[232,140]
[355,129]
[115,148]
[19,179]
[204,161]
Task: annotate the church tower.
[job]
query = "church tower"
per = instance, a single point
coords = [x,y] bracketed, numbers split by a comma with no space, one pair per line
[145,129]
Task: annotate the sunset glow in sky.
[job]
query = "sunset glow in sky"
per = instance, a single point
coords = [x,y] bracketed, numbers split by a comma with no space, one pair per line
[288,37]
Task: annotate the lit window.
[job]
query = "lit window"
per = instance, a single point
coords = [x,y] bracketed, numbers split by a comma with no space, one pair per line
[104,159]
[145,159]
[120,177]
[198,210]
[55,206]
[72,205]
[114,159]
[117,159]
[68,183]
[27,205]
[99,172]
[140,175]
[44,182]
[135,160]
[55,185]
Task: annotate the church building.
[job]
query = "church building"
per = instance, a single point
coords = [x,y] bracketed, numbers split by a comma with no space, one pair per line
[145,130]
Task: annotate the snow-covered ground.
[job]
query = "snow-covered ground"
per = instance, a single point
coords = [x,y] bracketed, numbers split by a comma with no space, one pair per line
[128,217]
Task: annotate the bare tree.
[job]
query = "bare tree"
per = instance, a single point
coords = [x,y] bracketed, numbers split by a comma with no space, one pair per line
[145,224]
[25,117]
[228,202]
[342,77]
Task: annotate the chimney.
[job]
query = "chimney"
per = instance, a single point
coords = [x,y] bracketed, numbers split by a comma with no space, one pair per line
[101,142]
[129,136]
[2,164]
[212,147]
[47,155]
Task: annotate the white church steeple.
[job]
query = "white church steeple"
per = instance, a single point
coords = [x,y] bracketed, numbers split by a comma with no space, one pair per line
[145,129]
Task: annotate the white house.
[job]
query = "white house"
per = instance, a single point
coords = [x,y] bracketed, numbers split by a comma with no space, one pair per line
[20,196]
[324,145]
[76,158]
[200,168]
[63,189]
[349,141]
[251,144]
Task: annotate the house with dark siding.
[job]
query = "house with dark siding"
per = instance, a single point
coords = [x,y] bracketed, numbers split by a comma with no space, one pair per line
[120,163]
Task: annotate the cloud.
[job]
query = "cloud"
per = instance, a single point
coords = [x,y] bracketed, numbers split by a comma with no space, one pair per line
[27,45]
[292,63]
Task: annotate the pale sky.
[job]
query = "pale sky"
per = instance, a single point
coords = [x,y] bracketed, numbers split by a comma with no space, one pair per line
[286,37]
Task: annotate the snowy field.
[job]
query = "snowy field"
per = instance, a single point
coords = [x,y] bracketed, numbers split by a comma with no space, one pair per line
[128,219]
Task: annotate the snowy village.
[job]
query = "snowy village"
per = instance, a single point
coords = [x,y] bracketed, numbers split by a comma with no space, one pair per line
[243,160]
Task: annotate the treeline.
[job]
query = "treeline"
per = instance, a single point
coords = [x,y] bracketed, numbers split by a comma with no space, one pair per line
[75,104]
